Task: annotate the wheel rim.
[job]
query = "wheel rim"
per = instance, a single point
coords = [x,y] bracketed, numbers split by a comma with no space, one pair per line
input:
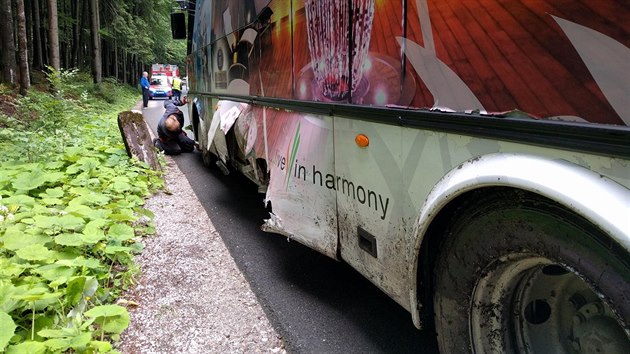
[529,304]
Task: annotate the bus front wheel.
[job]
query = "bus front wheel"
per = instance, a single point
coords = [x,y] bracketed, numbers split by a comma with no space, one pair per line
[520,274]
[207,157]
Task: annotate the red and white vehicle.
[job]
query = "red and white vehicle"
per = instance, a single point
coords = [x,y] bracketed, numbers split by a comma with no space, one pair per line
[160,87]
[167,70]
[469,158]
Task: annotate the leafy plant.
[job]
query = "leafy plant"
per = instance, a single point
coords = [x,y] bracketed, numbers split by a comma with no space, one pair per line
[71,201]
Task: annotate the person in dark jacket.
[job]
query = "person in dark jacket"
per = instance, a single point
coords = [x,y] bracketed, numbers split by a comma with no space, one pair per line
[144,83]
[172,139]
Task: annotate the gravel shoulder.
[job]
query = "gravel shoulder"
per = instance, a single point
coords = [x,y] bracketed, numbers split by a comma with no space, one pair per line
[190,295]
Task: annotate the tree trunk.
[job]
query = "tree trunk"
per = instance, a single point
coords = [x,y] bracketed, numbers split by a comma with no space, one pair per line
[124,61]
[66,48]
[38,59]
[134,65]
[43,18]
[76,38]
[97,72]
[9,65]
[53,35]
[84,50]
[28,12]
[25,80]
[116,60]
[105,57]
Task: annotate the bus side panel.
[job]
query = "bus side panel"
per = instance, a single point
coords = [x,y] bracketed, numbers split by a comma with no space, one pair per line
[300,163]
[382,188]
[404,165]
[371,204]
[204,111]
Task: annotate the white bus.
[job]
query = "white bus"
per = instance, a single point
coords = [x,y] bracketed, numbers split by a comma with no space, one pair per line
[471,158]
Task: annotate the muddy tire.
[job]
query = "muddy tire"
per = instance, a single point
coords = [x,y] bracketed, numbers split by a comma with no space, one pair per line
[521,274]
[207,157]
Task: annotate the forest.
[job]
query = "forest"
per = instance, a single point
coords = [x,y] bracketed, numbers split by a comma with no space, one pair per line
[109,38]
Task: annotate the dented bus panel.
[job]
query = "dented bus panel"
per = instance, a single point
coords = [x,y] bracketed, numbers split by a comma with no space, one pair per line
[378,129]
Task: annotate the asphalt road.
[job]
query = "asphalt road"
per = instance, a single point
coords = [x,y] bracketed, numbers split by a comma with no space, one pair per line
[317,304]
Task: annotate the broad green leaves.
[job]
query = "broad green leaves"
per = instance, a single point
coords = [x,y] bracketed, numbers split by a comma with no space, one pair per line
[29,180]
[15,238]
[121,232]
[63,222]
[69,240]
[34,253]
[63,342]
[68,203]
[82,262]
[7,329]
[54,272]
[29,347]
[79,288]
[111,318]
[8,270]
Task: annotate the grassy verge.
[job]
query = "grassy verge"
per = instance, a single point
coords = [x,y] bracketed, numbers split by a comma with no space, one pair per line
[71,211]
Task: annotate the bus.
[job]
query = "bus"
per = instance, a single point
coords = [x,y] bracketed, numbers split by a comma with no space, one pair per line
[470,158]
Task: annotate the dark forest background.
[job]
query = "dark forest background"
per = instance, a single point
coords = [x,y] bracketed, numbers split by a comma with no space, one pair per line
[110,38]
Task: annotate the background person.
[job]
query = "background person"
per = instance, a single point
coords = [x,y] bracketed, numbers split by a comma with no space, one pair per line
[177,88]
[172,139]
[144,83]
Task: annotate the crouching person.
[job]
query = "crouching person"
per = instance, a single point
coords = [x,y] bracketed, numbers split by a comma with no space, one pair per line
[172,139]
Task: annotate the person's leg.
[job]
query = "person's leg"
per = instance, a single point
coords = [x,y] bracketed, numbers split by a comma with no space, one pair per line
[170,147]
[145,97]
[185,143]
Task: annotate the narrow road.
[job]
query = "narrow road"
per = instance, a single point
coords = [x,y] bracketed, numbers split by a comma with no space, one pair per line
[317,304]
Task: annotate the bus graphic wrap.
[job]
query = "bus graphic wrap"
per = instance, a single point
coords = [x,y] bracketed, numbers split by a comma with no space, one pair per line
[489,194]
[487,59]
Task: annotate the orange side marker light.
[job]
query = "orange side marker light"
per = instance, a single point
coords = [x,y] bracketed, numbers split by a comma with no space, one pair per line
[362,140]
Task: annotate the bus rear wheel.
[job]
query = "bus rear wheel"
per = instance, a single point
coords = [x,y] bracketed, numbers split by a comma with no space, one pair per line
[520,274]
